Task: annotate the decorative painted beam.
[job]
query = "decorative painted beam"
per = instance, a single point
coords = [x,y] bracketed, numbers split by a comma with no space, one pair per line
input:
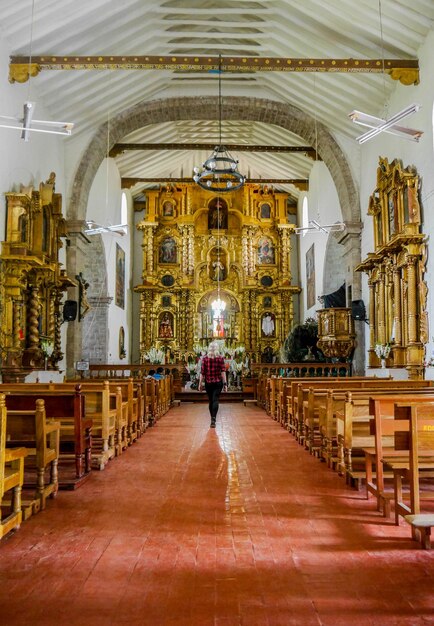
[404,70]
[118,148]
[301,183]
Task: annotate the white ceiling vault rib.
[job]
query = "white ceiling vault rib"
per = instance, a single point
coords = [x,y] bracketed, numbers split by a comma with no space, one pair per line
[328,29]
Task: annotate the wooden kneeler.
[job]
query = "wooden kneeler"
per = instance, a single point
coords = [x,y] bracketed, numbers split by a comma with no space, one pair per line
[422,524]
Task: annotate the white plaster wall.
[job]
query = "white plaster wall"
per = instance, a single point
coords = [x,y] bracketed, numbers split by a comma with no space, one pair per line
[28,162]
[419,155]
[324,207]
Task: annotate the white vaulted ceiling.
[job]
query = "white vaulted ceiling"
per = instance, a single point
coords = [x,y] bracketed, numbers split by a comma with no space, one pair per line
[278,28]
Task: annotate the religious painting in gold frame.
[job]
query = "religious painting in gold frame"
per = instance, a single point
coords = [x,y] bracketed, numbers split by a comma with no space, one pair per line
[120,277]
[310,277]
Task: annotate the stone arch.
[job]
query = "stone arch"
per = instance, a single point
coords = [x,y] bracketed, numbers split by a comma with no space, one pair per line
[286,116]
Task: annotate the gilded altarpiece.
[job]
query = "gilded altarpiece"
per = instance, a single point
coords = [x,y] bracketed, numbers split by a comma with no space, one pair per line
[31,281]
[216,267]
[397,289]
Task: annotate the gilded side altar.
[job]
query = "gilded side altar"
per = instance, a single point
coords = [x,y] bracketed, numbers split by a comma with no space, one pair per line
[216,266]
[396,270]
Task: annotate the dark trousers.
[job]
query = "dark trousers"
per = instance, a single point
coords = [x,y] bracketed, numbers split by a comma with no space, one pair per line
[213,390]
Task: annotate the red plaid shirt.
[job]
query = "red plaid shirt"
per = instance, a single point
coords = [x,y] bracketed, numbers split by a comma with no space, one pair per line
[212,369]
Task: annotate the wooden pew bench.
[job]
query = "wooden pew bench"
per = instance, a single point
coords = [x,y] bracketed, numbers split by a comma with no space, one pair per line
[67,408]
[312,399]
[40,436]
[11,478]
[101,405]
[384,426]
[414,442]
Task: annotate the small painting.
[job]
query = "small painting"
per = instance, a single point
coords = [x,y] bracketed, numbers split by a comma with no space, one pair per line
[310,277]
[266,301]
[166,301]
[168,208]
[265,252]
[265,211]
[120,277]
[165,327]
[167,251]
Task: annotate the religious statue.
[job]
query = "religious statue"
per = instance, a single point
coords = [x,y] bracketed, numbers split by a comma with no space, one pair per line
[166,329]
[268,325]
[218,270]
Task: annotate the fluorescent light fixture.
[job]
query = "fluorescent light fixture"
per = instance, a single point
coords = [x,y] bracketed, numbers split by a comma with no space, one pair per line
[27,124]
[96,229]
[316,226]
[379,125]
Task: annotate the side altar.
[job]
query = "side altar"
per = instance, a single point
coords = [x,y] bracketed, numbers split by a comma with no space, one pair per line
[216,267]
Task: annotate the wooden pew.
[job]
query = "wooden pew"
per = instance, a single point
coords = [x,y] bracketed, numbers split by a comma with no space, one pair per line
[31,429]
[100,406]
[75,429]
[344,424]
[312,397]
[415,445]
[384,426]
[11,477]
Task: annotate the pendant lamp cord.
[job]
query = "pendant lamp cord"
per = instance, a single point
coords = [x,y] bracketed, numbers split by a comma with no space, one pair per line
[380,14]
[30,48]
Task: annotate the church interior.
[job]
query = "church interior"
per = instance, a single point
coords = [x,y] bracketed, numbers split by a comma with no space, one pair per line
[257,176]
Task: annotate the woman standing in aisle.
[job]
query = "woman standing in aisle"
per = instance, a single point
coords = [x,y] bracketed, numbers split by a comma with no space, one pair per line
[213,373]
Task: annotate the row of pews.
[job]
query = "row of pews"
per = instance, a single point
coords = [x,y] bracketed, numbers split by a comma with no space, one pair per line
[375,432]
[52,435]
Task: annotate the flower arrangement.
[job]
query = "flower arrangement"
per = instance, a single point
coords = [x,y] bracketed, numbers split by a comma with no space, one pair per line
[155,356]
[47,346]
[382,351]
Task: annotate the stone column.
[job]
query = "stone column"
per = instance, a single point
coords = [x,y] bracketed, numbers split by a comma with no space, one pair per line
[76,252]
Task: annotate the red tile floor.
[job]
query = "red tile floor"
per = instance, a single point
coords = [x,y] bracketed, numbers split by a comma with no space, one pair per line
[226,527]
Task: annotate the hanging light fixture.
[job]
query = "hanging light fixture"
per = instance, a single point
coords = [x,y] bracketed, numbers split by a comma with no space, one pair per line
[315,225]
[220,171]
[26,123]
[390,125]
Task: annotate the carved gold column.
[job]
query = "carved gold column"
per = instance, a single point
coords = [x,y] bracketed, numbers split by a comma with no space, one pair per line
[372,314]
[247,321]
[33,319]
[381,320]
[190,250]
[57,336]
[245,250]
[17,325]
[285,251]
[251,253]
[412,299]
[397,301]
[254,322]
[184,253]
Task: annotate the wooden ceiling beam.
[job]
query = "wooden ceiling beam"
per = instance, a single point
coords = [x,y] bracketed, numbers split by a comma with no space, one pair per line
[300,183]
[20,67]
[118,148]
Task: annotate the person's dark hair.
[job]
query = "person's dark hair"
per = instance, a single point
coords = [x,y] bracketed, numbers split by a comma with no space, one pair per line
[160,370]
[151,372]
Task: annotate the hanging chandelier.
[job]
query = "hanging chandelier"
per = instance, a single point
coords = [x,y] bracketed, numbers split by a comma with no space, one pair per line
[220,171]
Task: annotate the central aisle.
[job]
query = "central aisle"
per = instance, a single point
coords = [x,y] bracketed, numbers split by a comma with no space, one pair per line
[236,526]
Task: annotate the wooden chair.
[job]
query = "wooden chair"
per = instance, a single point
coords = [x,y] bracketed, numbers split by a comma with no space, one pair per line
[41,438]
[11,476]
